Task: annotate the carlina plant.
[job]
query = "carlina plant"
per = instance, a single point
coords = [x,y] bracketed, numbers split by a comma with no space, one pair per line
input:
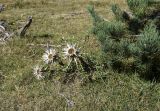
[131,41]
[71,53]
[49,57]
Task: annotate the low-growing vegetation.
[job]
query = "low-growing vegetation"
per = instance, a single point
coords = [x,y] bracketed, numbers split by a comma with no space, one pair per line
[71,55]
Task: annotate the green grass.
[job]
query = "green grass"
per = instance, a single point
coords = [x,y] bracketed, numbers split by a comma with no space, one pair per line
[52,21]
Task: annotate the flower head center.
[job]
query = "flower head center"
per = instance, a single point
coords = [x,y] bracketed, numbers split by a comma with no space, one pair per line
[71,51]
[38,71]
[50,56]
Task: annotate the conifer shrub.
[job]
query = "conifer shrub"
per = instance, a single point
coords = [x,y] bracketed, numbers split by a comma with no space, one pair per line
[131,42]
[148,52]
[138,7]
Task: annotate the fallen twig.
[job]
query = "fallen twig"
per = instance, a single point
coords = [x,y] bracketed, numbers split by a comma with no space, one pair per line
[44,45]
[23,30]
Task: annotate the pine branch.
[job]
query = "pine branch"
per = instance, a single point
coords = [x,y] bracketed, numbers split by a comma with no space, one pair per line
[94,15]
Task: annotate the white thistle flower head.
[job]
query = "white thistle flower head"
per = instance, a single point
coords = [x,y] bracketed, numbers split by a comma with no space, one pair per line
[71,51]
[49,55]
[37,72]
